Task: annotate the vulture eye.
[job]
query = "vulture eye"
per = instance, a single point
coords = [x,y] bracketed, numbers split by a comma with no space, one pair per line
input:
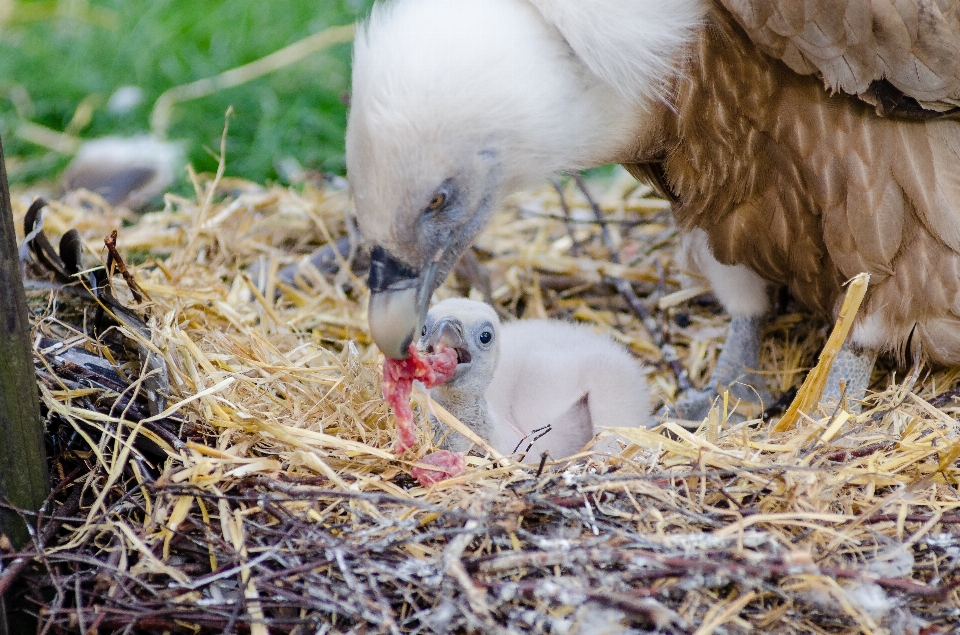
[437,201]
[485,337]
[423,331]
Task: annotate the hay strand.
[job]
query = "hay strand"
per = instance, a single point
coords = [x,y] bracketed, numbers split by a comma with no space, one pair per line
[264,497]
[809,394]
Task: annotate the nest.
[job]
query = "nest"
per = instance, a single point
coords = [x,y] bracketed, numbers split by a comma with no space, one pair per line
[260,494]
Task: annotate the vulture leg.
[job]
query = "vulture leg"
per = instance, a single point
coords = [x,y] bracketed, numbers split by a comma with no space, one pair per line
[853,366]
[743,294]
[740,355]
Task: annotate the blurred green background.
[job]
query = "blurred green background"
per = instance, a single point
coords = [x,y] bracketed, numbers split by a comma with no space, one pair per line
[61,60]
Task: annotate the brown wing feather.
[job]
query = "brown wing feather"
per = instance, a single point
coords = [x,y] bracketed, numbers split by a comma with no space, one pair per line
[809,188]
[901,56]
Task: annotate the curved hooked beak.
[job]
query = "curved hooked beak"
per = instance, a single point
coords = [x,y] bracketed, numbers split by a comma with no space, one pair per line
[399,297]
[448,333]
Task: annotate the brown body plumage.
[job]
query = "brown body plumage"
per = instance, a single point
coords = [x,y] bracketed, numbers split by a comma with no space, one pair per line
[809,188]
[890,53]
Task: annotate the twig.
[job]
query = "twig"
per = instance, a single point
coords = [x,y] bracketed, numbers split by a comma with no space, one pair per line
[598,214]
[947,519]
[160,117]
[622,222]
[858,453]
[577,248]
[15,567]
[302,492]
[543,462]
[453,566]
[625,289]
[648,609]
[774,569]
[945,398]
[114,258]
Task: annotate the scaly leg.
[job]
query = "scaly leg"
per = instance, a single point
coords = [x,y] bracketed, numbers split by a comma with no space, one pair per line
[740,355]
[853,365]
[743,293]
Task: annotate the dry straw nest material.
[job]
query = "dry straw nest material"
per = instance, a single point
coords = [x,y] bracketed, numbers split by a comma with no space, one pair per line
[265,497]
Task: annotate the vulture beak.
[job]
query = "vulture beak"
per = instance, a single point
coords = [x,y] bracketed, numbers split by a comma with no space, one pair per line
[398,301]
[448,333]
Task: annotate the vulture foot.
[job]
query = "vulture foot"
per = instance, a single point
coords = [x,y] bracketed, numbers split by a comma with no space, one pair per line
[741,352]
[853,366]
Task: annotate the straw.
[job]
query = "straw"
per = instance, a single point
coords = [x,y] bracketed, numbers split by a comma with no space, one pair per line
[265,497]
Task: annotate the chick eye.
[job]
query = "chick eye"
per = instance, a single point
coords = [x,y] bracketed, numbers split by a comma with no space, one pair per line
[485,337]
[437,201]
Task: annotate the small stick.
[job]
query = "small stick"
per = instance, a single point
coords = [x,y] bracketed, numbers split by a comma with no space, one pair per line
[537,434]
[775,569]
[622,222]
[945,398]
[644,607]
[947,519]
[666,348]
[601,220]
[113,258]
[577,248]
[14,568]
[543,463]
[844,455]
[625,289]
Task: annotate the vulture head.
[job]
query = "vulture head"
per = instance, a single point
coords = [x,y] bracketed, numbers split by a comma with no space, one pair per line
[473,330]
[457,103]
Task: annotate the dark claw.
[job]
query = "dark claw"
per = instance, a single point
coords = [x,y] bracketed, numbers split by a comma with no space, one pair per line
[71,250]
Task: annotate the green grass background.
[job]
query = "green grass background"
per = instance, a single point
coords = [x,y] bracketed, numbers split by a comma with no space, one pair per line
[56,54]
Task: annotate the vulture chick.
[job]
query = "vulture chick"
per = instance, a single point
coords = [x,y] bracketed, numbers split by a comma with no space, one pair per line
[801,143]
[532,385]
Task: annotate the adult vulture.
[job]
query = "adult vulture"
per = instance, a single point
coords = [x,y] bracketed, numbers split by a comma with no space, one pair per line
[801,142]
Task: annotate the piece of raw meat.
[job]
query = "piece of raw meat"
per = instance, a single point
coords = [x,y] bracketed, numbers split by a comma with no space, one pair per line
[448,464]
[398,376]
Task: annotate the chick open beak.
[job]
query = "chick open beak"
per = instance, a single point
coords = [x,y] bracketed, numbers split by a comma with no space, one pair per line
[398,301]
[448,333]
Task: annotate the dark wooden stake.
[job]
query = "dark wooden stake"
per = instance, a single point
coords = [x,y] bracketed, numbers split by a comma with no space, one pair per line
[23,464]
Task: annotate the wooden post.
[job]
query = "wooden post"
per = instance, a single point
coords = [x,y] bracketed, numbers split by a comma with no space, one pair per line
[24,481]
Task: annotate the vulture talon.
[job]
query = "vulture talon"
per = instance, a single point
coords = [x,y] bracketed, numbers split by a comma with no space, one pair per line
[692,406]
[741,352]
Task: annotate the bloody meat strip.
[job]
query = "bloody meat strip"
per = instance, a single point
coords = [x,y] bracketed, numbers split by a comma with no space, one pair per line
[398,375]
[447,463]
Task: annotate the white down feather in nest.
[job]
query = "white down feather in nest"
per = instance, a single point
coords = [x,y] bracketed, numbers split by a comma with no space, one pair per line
[125,171]
[533,385]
